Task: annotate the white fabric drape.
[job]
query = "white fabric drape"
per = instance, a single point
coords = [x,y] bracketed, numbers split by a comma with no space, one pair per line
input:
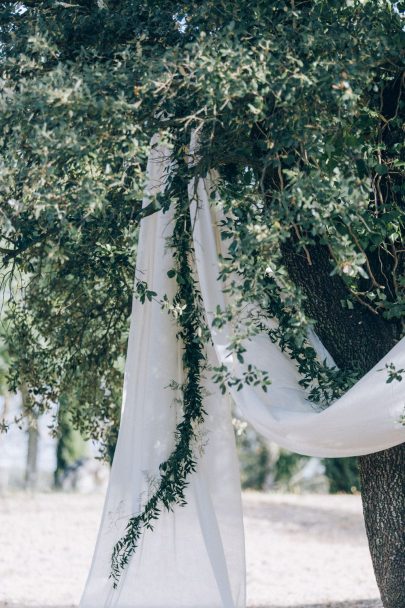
[365,420]
[195,556]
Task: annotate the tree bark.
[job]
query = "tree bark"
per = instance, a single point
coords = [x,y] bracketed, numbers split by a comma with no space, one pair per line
[383,491]
[357,339]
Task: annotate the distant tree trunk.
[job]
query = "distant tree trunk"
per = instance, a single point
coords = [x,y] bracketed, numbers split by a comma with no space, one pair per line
[31,471]
[70,446]
[31,468]
[4,473]
[358,339]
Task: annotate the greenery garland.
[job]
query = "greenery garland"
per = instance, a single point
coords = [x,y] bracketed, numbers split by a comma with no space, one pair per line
[175,471]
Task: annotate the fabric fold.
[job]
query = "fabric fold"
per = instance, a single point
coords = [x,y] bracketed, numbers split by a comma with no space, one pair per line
[366,419]
[194,558]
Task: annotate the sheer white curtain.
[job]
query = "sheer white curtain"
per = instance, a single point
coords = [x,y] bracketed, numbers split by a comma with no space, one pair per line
[195,556]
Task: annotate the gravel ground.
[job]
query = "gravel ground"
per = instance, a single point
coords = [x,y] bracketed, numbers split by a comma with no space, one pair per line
[302,551]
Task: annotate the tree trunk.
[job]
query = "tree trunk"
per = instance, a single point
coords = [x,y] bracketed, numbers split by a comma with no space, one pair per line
[357,339]
[31,467]
[31,471]
[4,472]
[383,490]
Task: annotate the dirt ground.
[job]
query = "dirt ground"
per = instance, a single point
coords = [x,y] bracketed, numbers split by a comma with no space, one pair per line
[302,551]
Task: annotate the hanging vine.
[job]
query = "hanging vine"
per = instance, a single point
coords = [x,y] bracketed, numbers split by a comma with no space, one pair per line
[175,471]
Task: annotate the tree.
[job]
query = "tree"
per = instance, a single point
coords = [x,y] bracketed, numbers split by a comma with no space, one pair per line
[70,446]
[343,474]
[298,106]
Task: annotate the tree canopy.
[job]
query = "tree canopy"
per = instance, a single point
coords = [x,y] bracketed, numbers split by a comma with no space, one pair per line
[297,105]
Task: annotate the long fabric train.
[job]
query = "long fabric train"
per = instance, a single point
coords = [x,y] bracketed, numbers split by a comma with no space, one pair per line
[194,558]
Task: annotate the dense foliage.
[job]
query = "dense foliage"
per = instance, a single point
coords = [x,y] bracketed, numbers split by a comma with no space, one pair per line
[296,103]
[287,98]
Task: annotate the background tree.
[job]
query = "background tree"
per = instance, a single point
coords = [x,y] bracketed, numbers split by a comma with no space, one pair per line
[70,447]
[3,383]
[343,474]
[298,104]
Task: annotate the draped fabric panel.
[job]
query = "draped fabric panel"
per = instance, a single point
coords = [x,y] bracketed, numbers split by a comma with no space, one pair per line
[194,558]
[364,420]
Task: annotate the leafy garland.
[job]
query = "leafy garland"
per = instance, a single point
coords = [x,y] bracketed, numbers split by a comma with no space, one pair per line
[175,471]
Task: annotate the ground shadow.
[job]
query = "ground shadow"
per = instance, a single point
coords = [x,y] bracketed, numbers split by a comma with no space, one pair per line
[13,605]
[308,519]
[345,604]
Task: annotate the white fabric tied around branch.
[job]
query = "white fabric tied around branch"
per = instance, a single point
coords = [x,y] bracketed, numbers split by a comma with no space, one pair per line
[194,558]
[364,420]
